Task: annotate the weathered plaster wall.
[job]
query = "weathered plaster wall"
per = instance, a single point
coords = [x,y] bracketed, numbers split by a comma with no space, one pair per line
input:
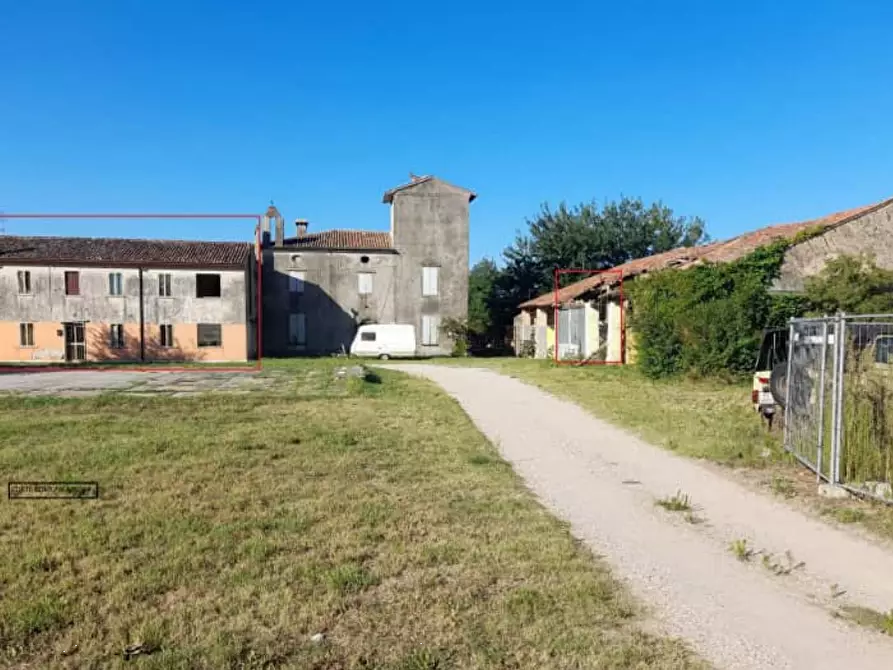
[430,224]
[331,301]
[47,307]
[871,234]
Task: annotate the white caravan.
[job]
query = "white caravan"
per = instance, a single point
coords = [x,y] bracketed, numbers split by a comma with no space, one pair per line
[384,340]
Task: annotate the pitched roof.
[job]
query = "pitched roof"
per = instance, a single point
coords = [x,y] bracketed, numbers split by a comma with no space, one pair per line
[715,252]
[347,240]
[105,251]
[415,181]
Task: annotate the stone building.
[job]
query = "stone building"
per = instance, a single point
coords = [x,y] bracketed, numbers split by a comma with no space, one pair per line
[100,299]
[591,319]
[319,286]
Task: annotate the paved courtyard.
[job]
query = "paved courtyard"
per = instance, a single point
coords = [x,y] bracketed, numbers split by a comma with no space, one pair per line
[93,382]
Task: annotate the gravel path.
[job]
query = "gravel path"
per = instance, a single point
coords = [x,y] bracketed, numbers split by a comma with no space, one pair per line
[736,614]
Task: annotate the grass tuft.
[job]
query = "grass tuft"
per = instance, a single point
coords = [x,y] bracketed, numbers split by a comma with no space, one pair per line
[882,622]
[679,502]
[741,550]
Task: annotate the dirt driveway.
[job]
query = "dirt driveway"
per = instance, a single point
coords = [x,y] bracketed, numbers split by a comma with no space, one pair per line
[733,607]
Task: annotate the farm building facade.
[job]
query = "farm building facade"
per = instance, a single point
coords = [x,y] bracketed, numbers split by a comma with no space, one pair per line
[71,299]
[591,313]
[88,299]
[319,287]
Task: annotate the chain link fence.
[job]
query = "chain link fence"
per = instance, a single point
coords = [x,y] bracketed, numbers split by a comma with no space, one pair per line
[837,387]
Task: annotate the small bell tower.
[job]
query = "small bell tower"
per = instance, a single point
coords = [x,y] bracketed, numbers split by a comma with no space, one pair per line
[274,218]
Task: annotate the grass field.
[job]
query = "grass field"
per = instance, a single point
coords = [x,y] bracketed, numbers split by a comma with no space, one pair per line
[704,418]
[231,529]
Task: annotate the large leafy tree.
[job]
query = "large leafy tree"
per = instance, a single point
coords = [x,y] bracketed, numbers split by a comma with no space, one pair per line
[584,237]
[593,238]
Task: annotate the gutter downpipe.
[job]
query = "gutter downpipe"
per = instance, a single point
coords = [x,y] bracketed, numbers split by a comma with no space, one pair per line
[142,320]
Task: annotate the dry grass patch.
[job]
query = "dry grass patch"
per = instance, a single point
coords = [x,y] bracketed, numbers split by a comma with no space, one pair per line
[231,529]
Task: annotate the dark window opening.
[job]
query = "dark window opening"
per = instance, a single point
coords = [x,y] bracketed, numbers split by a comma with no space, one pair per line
[367,337]
[164,285]
[24,281]
[72,283]
[166,333]
[207,286]
[209,335]
[116,336]
[115,284]
[26,334]
[364,259]
[883,352]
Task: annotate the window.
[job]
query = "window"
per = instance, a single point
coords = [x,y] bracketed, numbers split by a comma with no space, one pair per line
[429,280]
[164,285]
[166,335]
[297,330]
[26,334]
[115,283]
[209,335]
[72,283]
[116,336]
[296,282]
[207,286]
[368,336]
[24,281]
[430,328]
[883,352]
[364,283]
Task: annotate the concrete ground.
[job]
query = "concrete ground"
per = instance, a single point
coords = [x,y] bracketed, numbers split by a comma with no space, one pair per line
[92,382]
[693,572]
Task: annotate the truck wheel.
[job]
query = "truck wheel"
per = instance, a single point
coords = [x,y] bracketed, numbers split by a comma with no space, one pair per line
[778,383]
[384,357]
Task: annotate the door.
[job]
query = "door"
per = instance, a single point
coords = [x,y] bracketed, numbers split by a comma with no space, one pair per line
[75,347]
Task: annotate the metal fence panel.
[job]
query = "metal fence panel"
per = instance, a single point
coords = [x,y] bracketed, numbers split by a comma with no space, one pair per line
[838,394]
[807,392]
[866,405]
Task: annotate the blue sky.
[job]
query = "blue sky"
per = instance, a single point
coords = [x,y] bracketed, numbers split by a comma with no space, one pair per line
[745,114]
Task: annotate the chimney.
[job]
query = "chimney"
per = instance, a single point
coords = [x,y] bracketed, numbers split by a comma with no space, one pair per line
[280,231]
[301,225]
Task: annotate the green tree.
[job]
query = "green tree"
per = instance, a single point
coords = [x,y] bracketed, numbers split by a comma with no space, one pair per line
[852,284]
[481,287]
[583,237]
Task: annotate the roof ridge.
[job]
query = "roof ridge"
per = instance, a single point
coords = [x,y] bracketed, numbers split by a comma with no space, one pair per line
[120,239]
[348,230]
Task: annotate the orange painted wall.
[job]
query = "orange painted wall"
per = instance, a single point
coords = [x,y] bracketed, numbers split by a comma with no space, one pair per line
[49,345]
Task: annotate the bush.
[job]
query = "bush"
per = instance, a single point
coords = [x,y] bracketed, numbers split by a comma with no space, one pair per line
[708,319]
[528,348]
[457,330]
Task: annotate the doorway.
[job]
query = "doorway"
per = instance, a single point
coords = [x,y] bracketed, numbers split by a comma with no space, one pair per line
[75,347]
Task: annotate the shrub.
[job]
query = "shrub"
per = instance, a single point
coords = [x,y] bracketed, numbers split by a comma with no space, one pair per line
[457,330]
[528,348]
[708,319]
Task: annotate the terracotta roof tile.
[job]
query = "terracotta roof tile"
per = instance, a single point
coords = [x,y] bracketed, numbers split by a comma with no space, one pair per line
[360,240]
[114,251]
[715,252]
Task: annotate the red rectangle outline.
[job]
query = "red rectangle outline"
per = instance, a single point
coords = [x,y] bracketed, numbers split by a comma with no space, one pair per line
[556,305]
[257,367]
